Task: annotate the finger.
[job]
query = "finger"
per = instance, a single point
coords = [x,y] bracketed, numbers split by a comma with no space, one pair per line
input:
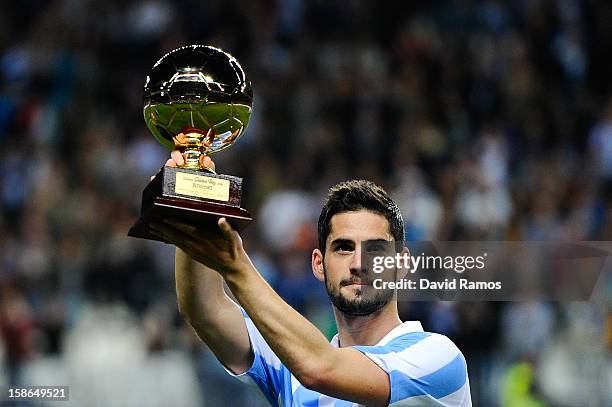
[157,232]
[226,229]
[177,157]
[158,173]
[207,162]
[195,250]
[169,234]
[183,227]
[197,235]
[171,163]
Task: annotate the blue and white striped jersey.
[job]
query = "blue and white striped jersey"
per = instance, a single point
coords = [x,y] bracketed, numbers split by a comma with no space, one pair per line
[425,369]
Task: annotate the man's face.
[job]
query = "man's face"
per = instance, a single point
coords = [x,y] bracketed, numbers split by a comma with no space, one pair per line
[348,283]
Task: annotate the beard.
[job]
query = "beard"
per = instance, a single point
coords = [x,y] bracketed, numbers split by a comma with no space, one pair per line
[364,303]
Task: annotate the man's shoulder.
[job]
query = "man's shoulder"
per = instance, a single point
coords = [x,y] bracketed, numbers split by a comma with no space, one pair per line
[422,364]
[420,341]
[424,339]
[429,351]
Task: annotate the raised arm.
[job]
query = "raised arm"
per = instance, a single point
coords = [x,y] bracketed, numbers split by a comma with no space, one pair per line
[215,318]
[205,306]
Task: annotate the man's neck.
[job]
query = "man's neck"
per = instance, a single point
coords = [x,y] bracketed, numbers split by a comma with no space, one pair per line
[366,329]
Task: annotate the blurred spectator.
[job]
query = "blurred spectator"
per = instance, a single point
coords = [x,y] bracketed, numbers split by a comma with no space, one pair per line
[600,143]
[17,332]
[518,387]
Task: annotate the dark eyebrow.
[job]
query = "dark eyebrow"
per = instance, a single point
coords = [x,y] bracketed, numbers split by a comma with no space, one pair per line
[341,241]
[377,241]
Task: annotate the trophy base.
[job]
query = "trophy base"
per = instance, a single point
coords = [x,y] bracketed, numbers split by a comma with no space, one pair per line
[168,196]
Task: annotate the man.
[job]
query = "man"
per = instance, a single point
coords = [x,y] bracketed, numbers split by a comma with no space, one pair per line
[374,360]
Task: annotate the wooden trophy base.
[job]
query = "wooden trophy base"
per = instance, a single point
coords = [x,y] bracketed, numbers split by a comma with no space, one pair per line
[194,197]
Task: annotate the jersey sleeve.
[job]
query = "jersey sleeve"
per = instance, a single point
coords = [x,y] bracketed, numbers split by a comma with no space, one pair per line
[267,371]
[423,369]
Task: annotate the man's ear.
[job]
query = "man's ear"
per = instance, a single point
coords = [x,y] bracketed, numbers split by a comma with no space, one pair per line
[317,265]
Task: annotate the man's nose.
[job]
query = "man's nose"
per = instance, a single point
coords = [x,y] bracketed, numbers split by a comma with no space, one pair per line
[356,265]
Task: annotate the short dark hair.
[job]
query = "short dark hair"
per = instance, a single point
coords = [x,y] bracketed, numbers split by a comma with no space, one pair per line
[356,195]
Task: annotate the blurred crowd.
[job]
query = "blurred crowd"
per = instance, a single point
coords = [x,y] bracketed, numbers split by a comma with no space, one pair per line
[484,119]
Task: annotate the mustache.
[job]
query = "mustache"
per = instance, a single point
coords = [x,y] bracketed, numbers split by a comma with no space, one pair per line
[355,280]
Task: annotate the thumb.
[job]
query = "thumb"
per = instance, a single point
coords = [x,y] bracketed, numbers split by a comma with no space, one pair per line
[228,232]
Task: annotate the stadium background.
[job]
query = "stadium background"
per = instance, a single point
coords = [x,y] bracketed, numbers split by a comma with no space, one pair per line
[484,119]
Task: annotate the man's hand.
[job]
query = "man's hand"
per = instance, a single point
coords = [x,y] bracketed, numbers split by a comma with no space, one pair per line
[224,253]
[176,160]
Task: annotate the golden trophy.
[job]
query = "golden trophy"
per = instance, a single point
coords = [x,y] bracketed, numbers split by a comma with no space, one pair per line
[198,100]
